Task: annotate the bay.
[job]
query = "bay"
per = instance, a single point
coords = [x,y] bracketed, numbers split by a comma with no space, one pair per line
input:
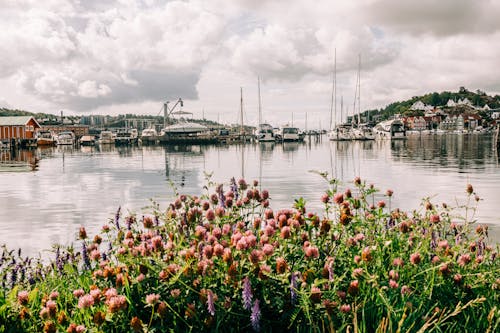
[84,186]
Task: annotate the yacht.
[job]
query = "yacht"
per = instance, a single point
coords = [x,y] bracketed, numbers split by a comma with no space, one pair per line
[390,129]
[187,132]
[149,135]
[45,138]
[65,138]
[127,137]
[340,133]
[290,133]
[106,137]
[87,140]
[362,132]
[265,133]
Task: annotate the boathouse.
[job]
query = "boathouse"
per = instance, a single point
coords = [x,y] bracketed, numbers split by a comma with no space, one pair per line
[19,130]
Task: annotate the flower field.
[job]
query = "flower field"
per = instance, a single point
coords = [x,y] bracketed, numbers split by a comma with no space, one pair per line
[227,262]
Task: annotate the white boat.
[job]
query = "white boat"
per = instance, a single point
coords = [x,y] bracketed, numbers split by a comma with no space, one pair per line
[290,133]
[363,132]
[87,140]
[149,135]
[106,138]
[66,138]
[390,130]
[265,133]
[340,133]
[45,138]
[127,137]
[186,132]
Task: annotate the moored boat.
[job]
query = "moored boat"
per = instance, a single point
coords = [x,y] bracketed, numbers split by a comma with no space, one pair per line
[126,137]
[186,132]
[66,138]
[45,138]
[149,136]
[106,137]
[265,133]
[87,140]
[290,133]
[390,129]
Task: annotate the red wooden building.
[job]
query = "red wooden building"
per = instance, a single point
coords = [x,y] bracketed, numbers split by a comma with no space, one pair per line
[19,129]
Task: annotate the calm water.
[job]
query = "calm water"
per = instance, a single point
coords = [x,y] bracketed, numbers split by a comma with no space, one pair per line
[74,187]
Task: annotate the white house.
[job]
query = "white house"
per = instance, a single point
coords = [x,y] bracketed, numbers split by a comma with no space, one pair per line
[419,105]
[451,103]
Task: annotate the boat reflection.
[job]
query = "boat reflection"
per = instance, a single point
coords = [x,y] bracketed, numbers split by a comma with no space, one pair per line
[14,160]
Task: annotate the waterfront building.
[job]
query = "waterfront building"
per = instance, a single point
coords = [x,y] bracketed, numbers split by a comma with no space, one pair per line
[78,130]
[19,130]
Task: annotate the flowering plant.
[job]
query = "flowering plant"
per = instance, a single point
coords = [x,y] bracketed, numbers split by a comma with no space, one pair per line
[227,262]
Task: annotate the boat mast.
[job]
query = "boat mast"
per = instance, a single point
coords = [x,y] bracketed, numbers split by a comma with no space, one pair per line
[333,102]
[241,110]
[260,106]
[357,93]
[359,89]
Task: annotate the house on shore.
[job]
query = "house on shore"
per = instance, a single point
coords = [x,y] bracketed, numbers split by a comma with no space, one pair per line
[18,131]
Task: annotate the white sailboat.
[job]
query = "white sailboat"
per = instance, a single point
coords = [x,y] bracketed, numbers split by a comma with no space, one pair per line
[360,131]
[337,132]
[265,131]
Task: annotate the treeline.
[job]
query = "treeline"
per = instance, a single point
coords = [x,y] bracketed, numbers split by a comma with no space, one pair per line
[478,99]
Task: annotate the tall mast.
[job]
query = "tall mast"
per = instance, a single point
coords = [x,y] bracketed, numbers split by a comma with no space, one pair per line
[341,107]
[241,111]
[260,106]
[359,89]
[333,102]
[357,93]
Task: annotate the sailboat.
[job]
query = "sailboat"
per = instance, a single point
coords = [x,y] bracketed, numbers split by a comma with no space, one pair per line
[265,132]
[361,131]
[338,132]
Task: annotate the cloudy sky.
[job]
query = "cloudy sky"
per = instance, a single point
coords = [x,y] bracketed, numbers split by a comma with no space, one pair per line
[130,56]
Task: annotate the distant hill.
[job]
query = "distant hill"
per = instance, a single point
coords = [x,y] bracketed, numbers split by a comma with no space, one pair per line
[4,112]
[478,99]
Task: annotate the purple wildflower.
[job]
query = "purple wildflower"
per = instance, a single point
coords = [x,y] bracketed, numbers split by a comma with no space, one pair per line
[222,198]
[85,255]
[234,188]
[117,217]
[210,303]
[255,316]
[293,286]
[247,294]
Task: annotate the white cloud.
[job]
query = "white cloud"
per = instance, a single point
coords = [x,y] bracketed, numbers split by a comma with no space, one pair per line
[95,56]
[90,89]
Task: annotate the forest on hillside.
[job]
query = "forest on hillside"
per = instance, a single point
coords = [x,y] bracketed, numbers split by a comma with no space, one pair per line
[478,99]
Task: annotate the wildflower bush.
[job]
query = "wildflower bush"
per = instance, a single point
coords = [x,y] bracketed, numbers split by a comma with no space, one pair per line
[227,262]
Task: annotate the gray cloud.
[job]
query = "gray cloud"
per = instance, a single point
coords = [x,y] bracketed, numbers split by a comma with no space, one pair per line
[440,18]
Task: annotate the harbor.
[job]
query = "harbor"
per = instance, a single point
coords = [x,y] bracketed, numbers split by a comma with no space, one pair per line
[50,202]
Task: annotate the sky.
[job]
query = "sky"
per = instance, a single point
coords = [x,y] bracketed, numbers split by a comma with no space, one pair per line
[93,57]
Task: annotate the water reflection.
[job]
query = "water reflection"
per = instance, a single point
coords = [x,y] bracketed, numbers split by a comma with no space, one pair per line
[15,160]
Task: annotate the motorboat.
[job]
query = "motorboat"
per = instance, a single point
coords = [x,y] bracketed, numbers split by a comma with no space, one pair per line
[390,129]
[149,136]
[340,133]
[265,133]
[126,137]
[65,138]
[106,137]
[45,138]
[290,133]
[187,132]
[87,140]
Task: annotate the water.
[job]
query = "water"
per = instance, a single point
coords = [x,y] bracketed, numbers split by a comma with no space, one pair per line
[73,187]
